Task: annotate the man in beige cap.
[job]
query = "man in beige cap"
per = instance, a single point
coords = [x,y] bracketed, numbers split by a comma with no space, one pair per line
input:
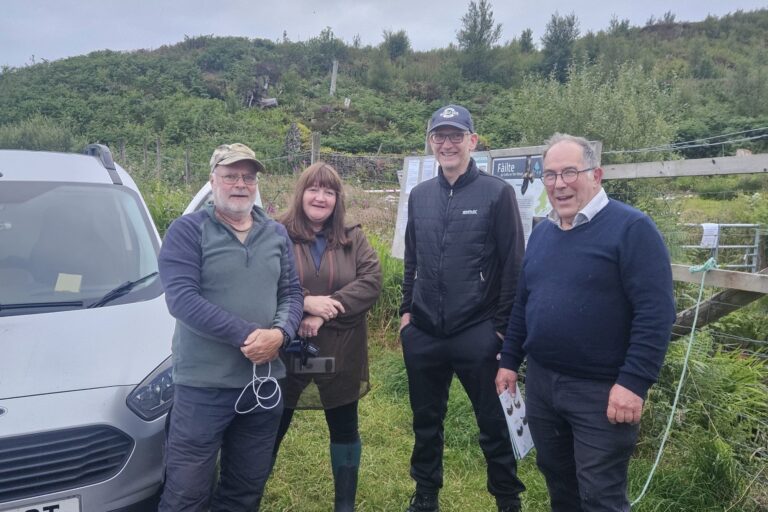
[234,186]
[230,281]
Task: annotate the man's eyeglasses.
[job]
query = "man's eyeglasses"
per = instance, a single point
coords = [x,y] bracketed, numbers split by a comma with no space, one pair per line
[454,137]
[568,175]
[232,179]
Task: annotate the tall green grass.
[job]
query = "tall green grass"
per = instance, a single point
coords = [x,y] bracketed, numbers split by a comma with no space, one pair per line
[718,444]
[384,316]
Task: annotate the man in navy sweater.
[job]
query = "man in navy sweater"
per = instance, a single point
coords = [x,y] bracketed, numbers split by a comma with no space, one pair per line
[593,315]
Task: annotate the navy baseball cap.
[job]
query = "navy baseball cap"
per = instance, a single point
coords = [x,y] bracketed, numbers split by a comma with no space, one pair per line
[452,115]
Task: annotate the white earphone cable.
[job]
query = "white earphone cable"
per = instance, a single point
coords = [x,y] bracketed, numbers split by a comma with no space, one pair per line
[255,385]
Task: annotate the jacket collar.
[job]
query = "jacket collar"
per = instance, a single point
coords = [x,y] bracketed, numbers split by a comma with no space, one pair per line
[465,179]
[257,213]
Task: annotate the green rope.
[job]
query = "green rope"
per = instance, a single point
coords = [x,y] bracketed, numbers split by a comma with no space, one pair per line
[707,266]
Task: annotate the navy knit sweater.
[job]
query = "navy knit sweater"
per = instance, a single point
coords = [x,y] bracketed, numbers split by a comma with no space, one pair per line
[595,301]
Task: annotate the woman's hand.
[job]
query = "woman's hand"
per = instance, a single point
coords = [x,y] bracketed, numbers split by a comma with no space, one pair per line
[323,306]
[309,326]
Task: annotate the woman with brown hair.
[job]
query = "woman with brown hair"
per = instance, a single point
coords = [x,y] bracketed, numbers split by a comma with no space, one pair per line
[341,278]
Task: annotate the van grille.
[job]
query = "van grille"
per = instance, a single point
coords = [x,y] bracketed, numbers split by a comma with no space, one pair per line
[37,464]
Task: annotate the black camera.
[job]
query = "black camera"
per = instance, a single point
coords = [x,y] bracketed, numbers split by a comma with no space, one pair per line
[302,348]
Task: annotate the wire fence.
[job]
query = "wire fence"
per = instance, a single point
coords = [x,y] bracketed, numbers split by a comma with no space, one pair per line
[188,167]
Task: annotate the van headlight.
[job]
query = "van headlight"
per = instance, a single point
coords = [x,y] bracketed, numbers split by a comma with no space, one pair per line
[153,397]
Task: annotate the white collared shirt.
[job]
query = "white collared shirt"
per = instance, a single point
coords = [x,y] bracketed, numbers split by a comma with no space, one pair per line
[586,214]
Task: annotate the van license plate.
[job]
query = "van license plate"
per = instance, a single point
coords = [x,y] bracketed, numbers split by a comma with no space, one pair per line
[65,505]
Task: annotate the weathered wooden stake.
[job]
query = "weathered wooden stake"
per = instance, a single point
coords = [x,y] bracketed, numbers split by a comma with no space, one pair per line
[315,152]
[333,76]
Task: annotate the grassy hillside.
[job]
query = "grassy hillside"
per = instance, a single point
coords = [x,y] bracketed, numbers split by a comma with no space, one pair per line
[629,86]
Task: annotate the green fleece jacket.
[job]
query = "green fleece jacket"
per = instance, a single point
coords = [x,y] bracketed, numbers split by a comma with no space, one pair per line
[220,290]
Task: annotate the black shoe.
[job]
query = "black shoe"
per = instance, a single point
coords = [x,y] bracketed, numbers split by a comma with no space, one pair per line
[424,502]
[510,508]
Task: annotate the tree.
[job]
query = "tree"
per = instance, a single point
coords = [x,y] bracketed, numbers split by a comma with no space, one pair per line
[324,48]
[618,27]
[478,29]
[669,18]
[627,110]
[558,41]
[380,73]
[477,37]
[396,44]
[526,41]
[748,86]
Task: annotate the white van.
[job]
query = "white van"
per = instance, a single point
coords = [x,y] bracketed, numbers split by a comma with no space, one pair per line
[85,337]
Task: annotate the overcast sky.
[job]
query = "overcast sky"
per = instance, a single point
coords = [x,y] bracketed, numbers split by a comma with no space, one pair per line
[54,29]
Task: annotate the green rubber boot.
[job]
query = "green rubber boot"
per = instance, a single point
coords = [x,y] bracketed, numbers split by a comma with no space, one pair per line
[345,462]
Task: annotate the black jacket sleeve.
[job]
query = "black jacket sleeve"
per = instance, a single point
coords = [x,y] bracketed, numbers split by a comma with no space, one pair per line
[510,246]
[409,263]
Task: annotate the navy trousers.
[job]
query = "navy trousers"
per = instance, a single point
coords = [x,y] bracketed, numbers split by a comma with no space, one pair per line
[203,420]
[431,363]
[583,457]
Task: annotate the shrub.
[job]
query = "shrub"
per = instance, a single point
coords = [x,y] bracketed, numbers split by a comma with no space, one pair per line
[385,315]
[40,133]
[165,203]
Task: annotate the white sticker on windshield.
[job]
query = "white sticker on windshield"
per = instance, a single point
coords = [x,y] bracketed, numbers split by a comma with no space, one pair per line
[68,283]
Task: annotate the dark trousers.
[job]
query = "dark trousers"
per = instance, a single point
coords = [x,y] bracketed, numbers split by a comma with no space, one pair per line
[431,363]
[203,420]
[583,457]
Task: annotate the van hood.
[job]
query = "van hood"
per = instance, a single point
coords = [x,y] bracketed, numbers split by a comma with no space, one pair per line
[83,349]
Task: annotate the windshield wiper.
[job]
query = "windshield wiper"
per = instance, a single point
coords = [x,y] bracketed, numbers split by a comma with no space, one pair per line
[30,305]
[121,290]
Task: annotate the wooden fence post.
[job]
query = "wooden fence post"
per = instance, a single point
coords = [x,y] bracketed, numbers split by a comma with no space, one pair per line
[333,76]
[315,154]
[158,161]
[186,165]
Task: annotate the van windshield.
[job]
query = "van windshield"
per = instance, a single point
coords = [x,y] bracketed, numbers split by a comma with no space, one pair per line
[65,245]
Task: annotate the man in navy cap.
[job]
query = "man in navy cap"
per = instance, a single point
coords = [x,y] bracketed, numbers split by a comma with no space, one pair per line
[463,250]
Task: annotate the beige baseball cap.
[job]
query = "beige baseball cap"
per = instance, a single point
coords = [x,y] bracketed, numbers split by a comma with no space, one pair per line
[227,154]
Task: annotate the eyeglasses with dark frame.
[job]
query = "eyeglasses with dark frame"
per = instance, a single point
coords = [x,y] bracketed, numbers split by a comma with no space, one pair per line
[568,175]
[232,179]
[454,137]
